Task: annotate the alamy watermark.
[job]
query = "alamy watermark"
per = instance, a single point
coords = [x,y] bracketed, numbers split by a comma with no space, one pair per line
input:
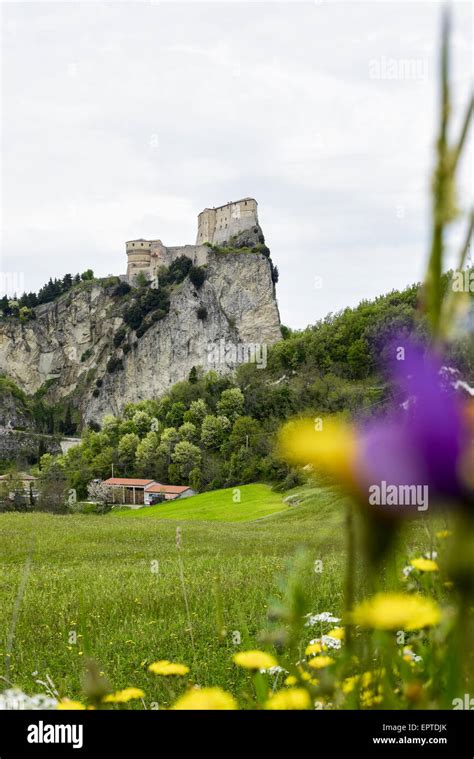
[384,494]
[225,353]
[414,69]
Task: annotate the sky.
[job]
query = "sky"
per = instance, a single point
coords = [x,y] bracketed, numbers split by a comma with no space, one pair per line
[125,120]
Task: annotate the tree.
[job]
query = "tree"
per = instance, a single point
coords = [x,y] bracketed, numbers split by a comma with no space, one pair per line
[53,490]
[99,492]
[188,431]
[214,430]
[127,449]
[193,376]
[87,275]
[186,457]
[174,417]
[231,403]
[146,455]
[141,422]
[196,412]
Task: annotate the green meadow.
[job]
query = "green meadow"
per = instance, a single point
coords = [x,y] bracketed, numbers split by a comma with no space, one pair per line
[241,504]
[116,589]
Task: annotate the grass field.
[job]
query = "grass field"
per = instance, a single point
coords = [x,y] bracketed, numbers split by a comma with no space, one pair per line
[242,504]
[116,584]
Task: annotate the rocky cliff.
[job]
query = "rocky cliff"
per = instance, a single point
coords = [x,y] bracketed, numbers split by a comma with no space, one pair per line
[67,350]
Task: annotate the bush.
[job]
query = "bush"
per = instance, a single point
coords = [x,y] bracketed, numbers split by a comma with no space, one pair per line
[122,289]
[99,382]
[96,392]
[202,313]
[119,336]
[114,364]
[86,355]
[197,275]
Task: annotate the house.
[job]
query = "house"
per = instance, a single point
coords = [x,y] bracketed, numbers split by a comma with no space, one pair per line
[139,492]
[168,492]
[13,483]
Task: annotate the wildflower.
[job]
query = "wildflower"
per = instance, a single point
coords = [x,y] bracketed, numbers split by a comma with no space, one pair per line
[206,699]
[431,555]
[254,660]
[277,670]
[406,571]
[319,662]
[290,698]
[442,534]
[325,616]
[395,611]
[123,696]
[424,565]
[368,698]
[423,447]
[410,656]
[336,632]
[68,704]
[291,680]
[331,448]
[314,647]
[328,641]
[167,668]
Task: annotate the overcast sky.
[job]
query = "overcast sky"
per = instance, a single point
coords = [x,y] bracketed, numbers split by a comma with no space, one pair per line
[124,120]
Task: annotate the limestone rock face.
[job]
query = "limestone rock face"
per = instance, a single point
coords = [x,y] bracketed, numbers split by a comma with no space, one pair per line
[71,340]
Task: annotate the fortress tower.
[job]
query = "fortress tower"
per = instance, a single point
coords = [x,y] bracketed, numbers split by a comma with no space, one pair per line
[218,225]
[215,225]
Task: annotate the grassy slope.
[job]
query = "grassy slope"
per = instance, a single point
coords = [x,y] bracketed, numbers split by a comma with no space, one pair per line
[93,574]
[255,501]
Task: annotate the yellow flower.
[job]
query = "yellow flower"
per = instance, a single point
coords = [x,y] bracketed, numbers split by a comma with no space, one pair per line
[349,684]
[291,698]
[337,632]
[424,565]
[329,444]
[254,660]
[206,699]
[66,703]
[291,680]
[443,534]
[319,662]
[313,648]
[166,668]
[368,698]
[396,611]
[122,696]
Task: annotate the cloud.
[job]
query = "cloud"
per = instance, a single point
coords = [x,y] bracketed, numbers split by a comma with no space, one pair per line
[124,120]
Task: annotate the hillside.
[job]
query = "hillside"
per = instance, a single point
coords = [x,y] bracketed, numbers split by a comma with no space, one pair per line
[101,345]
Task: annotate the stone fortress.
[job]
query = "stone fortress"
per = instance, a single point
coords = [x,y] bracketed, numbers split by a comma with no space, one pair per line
[215,225]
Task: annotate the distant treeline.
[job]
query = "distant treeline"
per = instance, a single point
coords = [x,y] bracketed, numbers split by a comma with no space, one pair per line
[22,306]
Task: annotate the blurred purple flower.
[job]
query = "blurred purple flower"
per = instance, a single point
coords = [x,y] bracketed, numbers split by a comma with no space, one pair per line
[420,441]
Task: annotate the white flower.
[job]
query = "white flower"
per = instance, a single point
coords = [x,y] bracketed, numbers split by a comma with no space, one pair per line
[14,699]
[276,670]
[406,571]
[324,616]
[414,657]
[433,555]
[330,642]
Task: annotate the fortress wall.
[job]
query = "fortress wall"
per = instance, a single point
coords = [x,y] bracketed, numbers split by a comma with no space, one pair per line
[217,225]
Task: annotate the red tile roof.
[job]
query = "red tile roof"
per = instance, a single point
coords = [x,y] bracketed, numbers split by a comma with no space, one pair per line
[157,488]
[128,482]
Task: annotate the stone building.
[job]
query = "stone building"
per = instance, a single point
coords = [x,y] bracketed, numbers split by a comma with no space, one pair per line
[215,226]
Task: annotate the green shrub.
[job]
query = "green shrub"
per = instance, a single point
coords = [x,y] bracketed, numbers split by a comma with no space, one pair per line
[197,275]
[202,313]
[114,364]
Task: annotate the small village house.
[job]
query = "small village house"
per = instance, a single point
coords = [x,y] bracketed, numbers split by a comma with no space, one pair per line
[140,492]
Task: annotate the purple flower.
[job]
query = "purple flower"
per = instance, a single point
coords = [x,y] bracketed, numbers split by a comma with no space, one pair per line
[421,440]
